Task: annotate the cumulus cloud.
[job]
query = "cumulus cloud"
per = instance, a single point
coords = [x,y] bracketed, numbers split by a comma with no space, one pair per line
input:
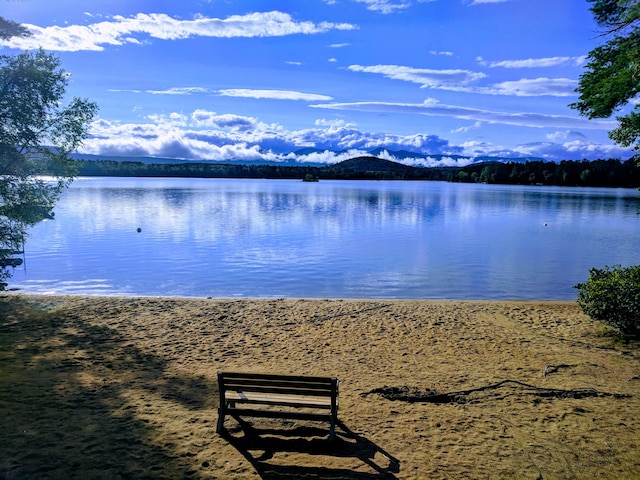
[565,135]
[204,118]
[570,145]
[207,135]
[273,94]
[321,122]
[121,30]
[434,108]
[576,149]
[427,161]
[211,136]
[173,118]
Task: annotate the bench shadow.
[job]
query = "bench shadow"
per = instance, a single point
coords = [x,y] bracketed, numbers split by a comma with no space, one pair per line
[259,446]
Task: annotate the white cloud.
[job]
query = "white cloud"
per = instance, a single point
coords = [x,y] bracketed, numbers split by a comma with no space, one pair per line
[533,62]
[426,78]
[204,118]
[273,94]
[462,81]
[388,6]
[419,161]
[467,128]
[434,108]
[179,91]
[573,150]
[321,122]
[385,6]
[327,156]
[478,2]
[120,30]
[339,45]
[565,135]
[206,135]
[237,92]
[532,87]
[446,54]
[176,119]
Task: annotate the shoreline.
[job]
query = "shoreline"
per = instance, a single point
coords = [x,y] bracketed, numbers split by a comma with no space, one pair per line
[113,386]
[276,297]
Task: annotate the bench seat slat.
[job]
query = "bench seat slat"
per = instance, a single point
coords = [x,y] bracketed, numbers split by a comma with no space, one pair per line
[249,412]
[292,400]
[256,383]
[279,390]
[267,377]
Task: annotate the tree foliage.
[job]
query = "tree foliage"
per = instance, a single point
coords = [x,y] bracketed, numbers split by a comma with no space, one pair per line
[597,173]
[37,135]
[10,29]
[612,296]
[612,75]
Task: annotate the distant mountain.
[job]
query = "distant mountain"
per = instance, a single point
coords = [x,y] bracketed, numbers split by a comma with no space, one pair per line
[370,164]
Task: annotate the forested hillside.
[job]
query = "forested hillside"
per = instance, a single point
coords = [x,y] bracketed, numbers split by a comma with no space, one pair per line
[598,173]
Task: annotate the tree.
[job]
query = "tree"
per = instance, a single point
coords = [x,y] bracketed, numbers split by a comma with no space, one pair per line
[37,135]
[612,76]
[10,29]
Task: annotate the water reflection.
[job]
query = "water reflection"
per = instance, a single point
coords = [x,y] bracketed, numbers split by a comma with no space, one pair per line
[202,237]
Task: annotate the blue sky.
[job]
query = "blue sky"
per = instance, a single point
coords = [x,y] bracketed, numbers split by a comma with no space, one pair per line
[241,79]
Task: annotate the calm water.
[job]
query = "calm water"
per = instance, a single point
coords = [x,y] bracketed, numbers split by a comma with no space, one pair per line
[358,239]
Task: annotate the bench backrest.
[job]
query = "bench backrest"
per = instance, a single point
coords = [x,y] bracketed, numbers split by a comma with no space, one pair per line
[279,384]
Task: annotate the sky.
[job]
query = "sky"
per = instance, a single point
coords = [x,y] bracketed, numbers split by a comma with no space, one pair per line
[259,79]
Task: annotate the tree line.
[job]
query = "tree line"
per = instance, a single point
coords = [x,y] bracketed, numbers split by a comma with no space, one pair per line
[596,173]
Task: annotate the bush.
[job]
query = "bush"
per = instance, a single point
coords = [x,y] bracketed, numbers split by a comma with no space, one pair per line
[611,295]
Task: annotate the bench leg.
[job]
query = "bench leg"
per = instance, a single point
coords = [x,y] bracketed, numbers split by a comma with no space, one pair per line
[221,414]
[332,428]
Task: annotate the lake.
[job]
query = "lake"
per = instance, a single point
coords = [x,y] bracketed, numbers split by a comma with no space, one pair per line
[331,239]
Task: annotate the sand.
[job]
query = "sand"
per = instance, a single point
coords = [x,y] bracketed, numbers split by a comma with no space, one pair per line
[109,387]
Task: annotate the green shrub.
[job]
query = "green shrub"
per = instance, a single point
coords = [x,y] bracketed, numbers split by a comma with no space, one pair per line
[611,295]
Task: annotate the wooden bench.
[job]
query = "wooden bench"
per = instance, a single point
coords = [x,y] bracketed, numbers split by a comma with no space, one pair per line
[298,397]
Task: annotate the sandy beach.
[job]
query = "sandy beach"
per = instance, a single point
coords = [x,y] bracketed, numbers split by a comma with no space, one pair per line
[111,387]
